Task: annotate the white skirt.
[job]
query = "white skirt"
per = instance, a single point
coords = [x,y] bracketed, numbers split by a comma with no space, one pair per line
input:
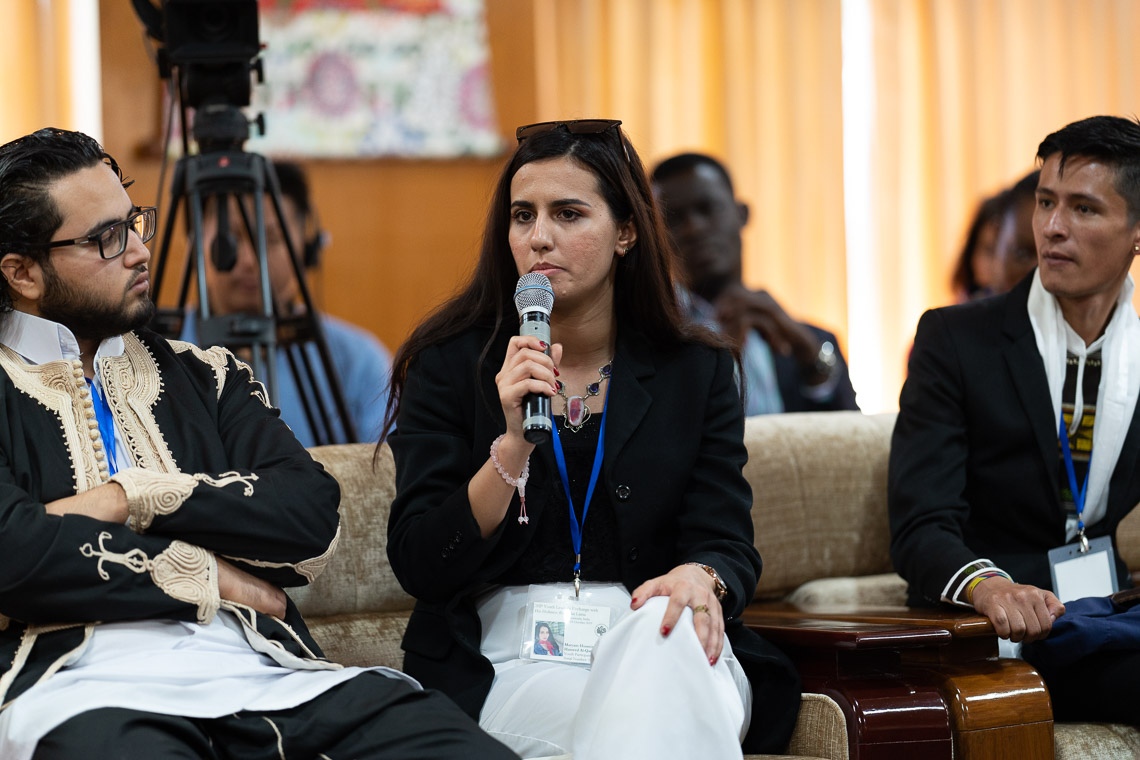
[645,695]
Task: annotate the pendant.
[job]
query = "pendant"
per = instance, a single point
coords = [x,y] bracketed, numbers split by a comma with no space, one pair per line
[577,412]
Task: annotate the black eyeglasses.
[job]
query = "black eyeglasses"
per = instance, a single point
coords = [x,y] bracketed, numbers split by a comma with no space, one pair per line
[575,127]
[112,239]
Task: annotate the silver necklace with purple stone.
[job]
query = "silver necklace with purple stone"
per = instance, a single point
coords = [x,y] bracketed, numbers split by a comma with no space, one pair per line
[576,410]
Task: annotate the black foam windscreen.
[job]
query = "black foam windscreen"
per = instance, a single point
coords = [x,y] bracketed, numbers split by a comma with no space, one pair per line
[223,249]
[223,252]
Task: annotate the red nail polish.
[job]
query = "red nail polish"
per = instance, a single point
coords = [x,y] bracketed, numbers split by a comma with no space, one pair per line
[633,600]
[543,344]
[556,372]
[712,661]
[665,630]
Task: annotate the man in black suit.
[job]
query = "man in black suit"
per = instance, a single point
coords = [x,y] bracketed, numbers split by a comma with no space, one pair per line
[982,484]
[789,366]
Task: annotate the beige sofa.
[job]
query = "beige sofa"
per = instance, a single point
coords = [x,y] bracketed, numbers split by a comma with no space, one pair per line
[820,516]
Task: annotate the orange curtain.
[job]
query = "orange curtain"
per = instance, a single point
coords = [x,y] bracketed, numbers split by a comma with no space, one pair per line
[37,57]
[756,83]
[947,101]
[963,92]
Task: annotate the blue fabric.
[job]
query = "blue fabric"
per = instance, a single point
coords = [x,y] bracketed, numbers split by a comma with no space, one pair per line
[1089,625]
[363,364]
[763,388]
[106,425]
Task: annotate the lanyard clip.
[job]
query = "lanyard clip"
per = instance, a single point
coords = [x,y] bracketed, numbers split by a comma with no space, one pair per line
[577,583]
[1084,541]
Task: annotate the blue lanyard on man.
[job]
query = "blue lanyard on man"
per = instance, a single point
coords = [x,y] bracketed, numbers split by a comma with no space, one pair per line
[1078,493]
[576,525]
[106,424]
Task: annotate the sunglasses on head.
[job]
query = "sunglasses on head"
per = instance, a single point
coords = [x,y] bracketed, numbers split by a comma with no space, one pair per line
[574,127]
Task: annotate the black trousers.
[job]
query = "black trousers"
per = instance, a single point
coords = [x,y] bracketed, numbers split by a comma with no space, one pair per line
[369,716]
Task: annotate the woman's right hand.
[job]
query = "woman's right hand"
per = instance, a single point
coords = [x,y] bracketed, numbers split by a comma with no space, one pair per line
[526,369]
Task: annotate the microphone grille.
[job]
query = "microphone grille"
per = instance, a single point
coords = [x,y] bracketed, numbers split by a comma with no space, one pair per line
[534,292]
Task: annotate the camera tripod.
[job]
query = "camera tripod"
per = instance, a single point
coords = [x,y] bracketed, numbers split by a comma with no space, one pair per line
[217,175]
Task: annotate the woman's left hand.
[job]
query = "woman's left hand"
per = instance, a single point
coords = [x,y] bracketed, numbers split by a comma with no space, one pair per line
[687,586]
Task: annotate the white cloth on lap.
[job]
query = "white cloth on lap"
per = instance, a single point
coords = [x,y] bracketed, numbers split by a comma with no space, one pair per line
[644,696]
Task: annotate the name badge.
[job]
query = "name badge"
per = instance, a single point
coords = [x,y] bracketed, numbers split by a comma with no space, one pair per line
[1078,574]
[563,626]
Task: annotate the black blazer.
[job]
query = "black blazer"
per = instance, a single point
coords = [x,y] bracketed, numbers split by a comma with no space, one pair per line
[789,378]
[974,456]
[673,459]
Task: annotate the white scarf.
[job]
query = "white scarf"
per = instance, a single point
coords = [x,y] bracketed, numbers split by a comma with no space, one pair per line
[1119,382]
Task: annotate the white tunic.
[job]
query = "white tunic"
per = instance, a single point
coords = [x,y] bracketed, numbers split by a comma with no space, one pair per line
[166,667]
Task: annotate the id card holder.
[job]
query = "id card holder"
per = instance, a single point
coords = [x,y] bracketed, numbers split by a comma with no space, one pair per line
[1078,574]
[562,626]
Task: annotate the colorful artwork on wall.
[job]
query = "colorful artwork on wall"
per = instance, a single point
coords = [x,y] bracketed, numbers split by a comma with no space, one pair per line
[370,78]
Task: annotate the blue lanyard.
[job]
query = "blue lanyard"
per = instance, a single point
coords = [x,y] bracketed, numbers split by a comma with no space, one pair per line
[106,425]
[1078,494]
[576,525]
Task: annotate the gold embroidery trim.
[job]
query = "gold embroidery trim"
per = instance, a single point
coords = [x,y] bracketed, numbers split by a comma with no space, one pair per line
[182,571]
[215,357]
[218,359]
[150,494]
[60,389]
[133,386]
[189,573]
[308,569]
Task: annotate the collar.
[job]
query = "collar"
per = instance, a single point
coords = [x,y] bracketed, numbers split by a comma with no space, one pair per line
[1119,381]
[41,341]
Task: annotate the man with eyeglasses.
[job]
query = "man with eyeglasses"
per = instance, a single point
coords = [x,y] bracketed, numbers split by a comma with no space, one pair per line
[152,507]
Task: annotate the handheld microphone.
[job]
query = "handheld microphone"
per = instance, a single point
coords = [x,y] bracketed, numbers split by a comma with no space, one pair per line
[534,298]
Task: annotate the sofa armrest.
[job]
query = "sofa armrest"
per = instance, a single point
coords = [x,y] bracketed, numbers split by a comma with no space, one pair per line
[995,707]
[889,713]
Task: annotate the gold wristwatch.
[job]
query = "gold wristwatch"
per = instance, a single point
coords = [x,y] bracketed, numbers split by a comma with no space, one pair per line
[720,590]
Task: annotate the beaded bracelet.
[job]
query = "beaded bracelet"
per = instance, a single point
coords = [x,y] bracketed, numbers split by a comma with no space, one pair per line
[519,482]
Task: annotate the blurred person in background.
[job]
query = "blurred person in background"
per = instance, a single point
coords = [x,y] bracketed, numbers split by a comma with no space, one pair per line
[361,362]
[789,366]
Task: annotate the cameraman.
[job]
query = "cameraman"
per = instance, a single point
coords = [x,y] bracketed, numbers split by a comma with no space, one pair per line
[360,360]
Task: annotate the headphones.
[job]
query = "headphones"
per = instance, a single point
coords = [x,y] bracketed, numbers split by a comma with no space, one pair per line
[315,240]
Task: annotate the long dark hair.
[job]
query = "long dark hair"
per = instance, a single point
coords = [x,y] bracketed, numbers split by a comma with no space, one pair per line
[989,212]
[644,295]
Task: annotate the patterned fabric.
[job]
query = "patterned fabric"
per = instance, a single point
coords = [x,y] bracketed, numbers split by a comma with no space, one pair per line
[1087,371]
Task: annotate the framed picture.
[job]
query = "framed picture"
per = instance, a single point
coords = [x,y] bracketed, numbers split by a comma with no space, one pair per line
[373,78]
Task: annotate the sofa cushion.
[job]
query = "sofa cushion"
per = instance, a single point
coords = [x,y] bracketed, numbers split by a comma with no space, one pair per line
[813,521]
[359,577]
[884,590]
[1080,741]
[364,639]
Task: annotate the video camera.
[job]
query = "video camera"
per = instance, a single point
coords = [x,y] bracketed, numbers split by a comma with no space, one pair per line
[214,47]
